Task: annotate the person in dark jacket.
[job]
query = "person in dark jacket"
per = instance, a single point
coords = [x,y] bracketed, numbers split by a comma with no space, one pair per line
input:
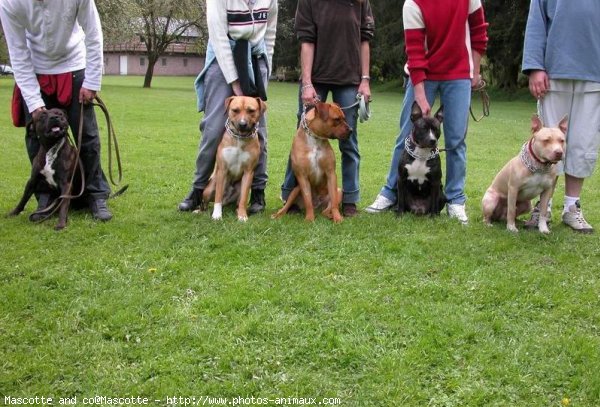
[335,58]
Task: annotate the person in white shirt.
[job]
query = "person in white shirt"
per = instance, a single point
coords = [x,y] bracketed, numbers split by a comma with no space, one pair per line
[234,27]
[55,49]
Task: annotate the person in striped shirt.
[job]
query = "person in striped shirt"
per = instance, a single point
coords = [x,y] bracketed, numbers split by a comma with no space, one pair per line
[232,26]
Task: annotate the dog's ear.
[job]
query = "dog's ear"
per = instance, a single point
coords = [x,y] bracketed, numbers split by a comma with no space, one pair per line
[322,110]
[262,105]
[536,123]
[564,122]
[227,103]
[439,115]
[415,112]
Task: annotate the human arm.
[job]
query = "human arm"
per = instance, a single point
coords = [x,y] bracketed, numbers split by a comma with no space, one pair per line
[534,50]
[306,32]
[271,33]
[89,20]
[415,40]
[307,54]
[365,62]
[367,32]
[479,39]
[20,57]
[216,20]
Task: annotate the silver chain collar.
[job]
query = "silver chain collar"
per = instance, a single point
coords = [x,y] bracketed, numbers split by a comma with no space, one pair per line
[308,131]
[413,153]
[531,164]
[232,133]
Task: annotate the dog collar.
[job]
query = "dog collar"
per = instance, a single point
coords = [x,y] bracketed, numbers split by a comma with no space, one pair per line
[307,130]
[413,153]
[230,130]
[529,159]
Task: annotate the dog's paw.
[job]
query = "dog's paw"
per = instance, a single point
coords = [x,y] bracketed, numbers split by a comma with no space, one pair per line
[543,229]
[512,228]
[243,218]
[59,227]
[12,213]
[217,211]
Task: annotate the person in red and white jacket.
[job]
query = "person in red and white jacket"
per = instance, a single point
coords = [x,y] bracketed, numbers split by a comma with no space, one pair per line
[445,40]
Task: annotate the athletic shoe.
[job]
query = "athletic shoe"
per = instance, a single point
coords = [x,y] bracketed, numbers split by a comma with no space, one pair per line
[381,204]
[458,211]
[574,219]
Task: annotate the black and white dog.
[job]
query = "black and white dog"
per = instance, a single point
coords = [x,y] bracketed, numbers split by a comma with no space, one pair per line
[420,189]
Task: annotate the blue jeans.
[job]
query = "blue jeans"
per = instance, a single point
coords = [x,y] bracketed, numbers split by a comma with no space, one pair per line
[455,96]
[343,96]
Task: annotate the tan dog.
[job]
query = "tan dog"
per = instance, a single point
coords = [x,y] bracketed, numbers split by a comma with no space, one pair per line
[530,174]
[313,161]
[237,156]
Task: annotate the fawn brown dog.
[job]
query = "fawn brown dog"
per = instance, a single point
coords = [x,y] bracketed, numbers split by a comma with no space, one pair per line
[313,162]
[530,174]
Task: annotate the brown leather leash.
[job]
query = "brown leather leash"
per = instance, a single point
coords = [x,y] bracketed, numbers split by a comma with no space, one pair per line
[112,138]
[485,101]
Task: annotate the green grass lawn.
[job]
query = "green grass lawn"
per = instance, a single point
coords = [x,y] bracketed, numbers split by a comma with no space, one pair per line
[376,311]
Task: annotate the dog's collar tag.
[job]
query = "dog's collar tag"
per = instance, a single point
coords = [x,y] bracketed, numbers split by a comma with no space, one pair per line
[51,155]
[531,162]
[413,153]
[232,133]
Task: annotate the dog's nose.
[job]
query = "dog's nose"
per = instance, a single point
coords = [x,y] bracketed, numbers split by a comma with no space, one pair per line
[243,124]
[558,154]
[432,142]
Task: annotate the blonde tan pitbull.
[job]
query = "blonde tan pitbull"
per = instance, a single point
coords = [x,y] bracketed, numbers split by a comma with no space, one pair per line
[237,156]
[313,162]
[530,174]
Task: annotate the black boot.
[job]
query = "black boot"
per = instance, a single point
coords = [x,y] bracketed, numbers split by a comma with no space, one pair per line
[43,202]
[191,201]
[257,201]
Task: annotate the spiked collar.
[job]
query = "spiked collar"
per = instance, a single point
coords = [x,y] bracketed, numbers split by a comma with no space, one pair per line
[531,161]
[411,148]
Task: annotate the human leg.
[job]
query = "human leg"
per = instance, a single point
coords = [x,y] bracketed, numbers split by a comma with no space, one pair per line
[455,96]
[259,182]
[96,184]
[350,155]
[212,126]
[580,100]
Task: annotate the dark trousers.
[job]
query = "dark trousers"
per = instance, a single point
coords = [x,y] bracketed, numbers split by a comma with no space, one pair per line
[96,185]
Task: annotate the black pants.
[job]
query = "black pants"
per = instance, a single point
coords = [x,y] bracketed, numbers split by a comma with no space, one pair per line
[96,185]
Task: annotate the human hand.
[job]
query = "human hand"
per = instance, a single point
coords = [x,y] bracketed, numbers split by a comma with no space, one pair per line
[36,113]
[538,83]
[86,95]
[237,88]
[476,81]
[365,89]
[309,95]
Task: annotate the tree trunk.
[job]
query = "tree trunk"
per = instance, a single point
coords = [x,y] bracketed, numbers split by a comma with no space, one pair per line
[150,71]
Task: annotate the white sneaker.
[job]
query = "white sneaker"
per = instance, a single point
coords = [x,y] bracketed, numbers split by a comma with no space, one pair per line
[381,204]
[457,211]
[574,218]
